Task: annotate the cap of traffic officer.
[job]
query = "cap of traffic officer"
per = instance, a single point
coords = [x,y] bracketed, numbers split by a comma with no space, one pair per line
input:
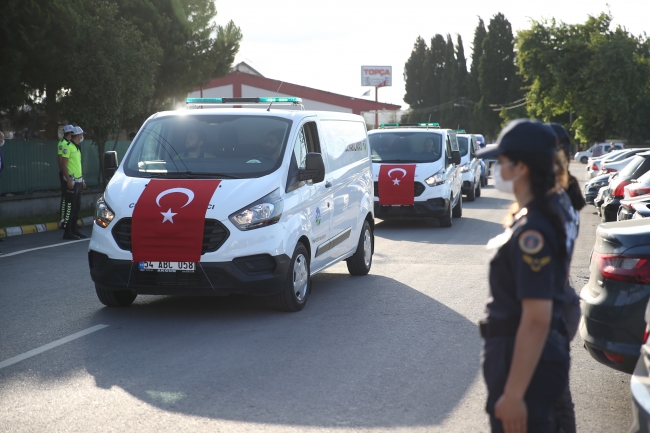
[68,128]
[77,130]
[522,136]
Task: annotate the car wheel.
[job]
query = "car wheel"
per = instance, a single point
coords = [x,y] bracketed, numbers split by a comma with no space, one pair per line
[583,160]
[458,209]
[471,195]
[446,221]
[484,181]
[297,286]
[361,260]
[114,298]
[477,192]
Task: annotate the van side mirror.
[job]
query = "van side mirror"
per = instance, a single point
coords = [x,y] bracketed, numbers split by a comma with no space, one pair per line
[455,157]
[314,168]
[110,164]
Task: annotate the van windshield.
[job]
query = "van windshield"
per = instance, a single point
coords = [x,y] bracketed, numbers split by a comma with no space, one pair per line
[226,146]
[402,146]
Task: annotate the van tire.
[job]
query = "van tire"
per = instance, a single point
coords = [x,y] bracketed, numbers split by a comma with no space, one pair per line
[457,212]
[471,195]
[361,261]
[294,295]
[584,159]
[477,191]
[112,298]
[446,221]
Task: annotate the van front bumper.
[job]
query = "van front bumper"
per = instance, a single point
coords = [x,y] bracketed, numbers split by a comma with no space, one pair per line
[253,275]
[432,208]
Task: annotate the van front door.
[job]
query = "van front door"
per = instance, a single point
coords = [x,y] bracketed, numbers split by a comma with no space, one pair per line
[317,198]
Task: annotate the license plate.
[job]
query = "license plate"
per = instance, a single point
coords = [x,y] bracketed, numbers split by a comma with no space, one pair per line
[167,266]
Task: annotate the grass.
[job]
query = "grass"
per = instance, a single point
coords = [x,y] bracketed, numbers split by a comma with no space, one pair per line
[40,219]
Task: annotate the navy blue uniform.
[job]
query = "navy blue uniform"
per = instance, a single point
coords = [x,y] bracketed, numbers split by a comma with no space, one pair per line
[526,264]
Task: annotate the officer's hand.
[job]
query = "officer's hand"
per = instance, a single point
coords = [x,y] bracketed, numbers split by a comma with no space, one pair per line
[512,412]
[70,185]
[83,185]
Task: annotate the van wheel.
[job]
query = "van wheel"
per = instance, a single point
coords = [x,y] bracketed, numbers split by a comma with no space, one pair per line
[471,195]
[446,220]
[458,209]
[361,260]
[112,298]
[477,192]
[583,160]
[297,286]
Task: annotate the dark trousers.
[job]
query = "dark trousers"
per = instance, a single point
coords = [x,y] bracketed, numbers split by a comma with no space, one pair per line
[565,417]
[64,187]
[73,204]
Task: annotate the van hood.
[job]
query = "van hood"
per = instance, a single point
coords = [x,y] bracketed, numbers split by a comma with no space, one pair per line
[123,193]
[423,170]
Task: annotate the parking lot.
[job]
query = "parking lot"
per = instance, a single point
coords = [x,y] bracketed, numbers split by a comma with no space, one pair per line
[397,350]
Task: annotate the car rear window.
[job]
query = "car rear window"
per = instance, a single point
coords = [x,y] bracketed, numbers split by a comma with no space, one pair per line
[634,164]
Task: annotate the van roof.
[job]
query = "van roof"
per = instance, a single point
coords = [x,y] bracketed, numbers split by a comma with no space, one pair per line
[414,129]
[284,113]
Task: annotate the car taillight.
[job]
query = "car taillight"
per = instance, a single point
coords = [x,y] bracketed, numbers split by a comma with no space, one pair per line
[594,167]
[612,357]
[636,191]
[645,334]
[620,188]
[608,170]
[623,268]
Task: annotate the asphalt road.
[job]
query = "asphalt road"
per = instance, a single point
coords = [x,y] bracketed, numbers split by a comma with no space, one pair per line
[397,350]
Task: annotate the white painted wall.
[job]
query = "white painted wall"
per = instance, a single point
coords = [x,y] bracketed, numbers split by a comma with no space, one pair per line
[214,92]
[254,92]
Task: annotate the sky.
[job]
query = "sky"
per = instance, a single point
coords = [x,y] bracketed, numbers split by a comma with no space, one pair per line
[323,44]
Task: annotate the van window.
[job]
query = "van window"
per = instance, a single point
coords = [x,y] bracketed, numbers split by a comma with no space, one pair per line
[344,142]
[239,146]
[464,145]
[448,152]
[405,146]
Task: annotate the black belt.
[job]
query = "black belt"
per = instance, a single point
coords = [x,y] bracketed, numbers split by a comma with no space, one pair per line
[508,327]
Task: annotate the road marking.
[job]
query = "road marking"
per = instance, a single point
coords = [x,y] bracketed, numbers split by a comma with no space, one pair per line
[49,346]
[42,248]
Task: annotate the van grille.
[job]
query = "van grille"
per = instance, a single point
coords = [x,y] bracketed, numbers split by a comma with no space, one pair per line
[418,189]
[214,235]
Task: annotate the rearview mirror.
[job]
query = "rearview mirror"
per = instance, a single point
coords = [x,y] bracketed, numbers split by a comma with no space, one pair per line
[455,157]
[110,164]
[314,168]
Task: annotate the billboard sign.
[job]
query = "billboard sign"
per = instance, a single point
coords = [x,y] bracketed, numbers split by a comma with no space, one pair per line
[377,76]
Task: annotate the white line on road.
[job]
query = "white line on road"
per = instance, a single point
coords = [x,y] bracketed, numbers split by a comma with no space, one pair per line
[49,346]
[42,248]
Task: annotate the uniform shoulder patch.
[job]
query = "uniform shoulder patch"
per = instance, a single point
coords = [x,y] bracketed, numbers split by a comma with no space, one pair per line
[65,150]
[531,242]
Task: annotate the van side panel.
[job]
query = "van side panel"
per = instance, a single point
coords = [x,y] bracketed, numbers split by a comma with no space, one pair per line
[345,147]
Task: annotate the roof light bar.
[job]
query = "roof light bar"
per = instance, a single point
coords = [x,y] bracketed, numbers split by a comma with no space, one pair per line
[409,125]
[459,131]
[281,99]
[430,125]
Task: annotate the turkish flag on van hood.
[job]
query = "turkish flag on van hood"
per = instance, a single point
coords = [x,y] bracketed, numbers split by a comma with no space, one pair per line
[396,184]
[169,219]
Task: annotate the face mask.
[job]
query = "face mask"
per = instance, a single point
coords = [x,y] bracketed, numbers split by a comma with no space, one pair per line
[502,185]
[82,139]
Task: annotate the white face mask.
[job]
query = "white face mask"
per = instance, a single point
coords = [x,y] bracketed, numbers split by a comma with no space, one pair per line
[501,184]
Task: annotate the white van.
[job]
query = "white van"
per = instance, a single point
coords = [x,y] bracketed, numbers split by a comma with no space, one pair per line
[470,166]
[434,155]
[234,200]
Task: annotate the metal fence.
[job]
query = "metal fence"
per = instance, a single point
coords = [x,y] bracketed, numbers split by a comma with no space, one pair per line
[31,166]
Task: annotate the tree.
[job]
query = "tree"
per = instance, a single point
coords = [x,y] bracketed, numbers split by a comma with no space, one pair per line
[601,75]
[497,73]
[477,53]
[415,74]
[117,74]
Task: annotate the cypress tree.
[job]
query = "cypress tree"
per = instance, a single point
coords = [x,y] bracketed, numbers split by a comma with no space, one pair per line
[415,74]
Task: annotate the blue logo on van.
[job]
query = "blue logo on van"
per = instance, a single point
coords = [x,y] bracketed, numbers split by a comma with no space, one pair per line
[317,216]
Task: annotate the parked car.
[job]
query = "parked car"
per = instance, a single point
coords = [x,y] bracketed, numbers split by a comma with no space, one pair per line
[637,166]
[594,185]
[618,163]
[594,164]
[636,198]
[640,385]
[615,298]
[596,150]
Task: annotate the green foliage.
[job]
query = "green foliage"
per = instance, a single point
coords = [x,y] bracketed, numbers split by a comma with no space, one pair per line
[477,52]
[600,75]
[415,74]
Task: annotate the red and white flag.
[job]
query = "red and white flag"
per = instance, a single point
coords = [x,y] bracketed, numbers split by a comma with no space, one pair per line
[169,220]
[396,184]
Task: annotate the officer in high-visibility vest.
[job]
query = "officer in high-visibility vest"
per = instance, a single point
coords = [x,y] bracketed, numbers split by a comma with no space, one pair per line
[67,136]
[526,346]
[74,183]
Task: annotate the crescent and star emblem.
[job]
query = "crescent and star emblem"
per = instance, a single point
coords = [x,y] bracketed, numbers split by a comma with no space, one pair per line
[167,216]
[396,180]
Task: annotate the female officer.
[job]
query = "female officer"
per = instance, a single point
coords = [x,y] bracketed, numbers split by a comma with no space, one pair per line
[526,350]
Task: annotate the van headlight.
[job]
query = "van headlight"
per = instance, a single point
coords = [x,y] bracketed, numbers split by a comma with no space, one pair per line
[436,179]
[103,213]
[264,212]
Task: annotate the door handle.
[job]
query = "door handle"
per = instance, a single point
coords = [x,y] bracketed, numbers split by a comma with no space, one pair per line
[328,184]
